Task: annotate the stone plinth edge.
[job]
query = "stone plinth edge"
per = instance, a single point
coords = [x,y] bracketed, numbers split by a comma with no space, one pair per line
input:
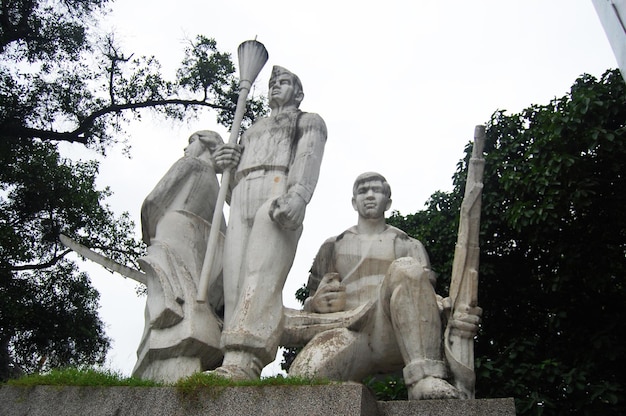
[481,407]
[336,399]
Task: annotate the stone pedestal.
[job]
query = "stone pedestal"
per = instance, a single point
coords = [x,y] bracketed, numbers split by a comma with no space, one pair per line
[338,399]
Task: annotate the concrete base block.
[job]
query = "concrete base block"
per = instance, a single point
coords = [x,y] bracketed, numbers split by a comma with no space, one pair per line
[482,407]
[342,399]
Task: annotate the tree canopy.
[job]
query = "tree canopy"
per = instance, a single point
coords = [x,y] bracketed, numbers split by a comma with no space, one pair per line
[59,82]
[553,245]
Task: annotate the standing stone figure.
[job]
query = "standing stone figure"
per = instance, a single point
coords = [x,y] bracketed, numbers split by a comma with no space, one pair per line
[276,169]
[181,336]
[377,281]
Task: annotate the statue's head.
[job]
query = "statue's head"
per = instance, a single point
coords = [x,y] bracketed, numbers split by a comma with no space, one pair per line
[203,141]
[284,88]
[372,176]
[371,195]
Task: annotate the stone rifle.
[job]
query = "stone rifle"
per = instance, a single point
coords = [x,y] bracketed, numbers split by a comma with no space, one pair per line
[459,345]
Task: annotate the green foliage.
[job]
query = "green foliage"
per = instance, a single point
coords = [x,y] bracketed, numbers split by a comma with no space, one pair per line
[388,388]
[207,71]
[86,376]
[553,243]
[436,227]
[191,386]
[57,84]
[204,69]
[302,294]
[48,309]
[74,376]
[45,30]
[46,195]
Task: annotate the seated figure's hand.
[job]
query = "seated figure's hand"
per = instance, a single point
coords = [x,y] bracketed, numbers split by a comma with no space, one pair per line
[330,295]
[466,319]
[227,156]
[288,211]
[443,304]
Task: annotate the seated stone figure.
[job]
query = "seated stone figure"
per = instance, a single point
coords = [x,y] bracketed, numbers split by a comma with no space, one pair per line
[376,284]
[181,336]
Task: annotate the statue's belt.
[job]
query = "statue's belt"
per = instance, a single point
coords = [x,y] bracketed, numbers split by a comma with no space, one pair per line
[243,173]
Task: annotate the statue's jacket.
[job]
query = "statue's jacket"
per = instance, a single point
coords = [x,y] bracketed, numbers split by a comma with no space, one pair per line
[292,143]
[362,262]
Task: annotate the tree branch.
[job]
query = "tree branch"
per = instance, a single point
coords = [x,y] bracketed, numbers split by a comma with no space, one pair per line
[40,266]
[80,134]
[114,56]
[14,31]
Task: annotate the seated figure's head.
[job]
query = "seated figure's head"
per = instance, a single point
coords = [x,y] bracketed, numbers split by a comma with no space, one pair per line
[371,195]
[285,88]
[372,176]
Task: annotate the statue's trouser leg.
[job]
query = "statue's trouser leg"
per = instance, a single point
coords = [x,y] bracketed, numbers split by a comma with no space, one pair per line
[408,298]
[248,198]
[405,329]
[254,325]
[336,354]
[234,251]
[351,354]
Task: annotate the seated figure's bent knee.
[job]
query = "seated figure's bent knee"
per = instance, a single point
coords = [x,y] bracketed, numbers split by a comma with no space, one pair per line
[405,273]
[408,268]
[330,354]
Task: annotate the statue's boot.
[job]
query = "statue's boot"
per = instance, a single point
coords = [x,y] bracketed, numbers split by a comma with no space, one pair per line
[425,381]
[238,366]
[430,388]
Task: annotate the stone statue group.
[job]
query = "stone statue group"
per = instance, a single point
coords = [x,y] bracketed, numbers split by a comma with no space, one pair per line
[372,307]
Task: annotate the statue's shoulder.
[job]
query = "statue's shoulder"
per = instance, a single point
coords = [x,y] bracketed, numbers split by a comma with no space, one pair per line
[311,120]
[328,246]
[258,125]
[404,240]
[398,233]
[350,233]
[311,117]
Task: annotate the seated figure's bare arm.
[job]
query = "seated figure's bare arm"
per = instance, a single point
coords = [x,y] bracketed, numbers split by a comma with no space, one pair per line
[329,297]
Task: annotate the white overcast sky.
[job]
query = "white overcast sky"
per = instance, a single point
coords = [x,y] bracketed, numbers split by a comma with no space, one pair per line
[400,84]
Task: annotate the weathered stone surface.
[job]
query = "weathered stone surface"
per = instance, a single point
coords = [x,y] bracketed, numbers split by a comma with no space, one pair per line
[491,407]
[372,306]
[181,336]
[344,400]
[203,311]
[276,168]
[166,401]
